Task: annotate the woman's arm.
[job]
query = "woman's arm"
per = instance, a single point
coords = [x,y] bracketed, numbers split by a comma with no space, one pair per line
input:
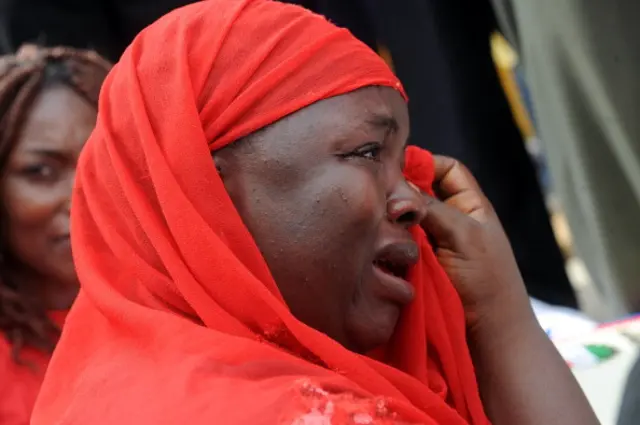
[522,378]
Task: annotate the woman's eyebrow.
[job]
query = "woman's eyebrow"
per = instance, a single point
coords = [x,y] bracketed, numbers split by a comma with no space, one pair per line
[52,153]
[383,121]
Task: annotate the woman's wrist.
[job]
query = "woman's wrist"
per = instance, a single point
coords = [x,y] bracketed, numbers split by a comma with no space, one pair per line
[503,320]
[509,349]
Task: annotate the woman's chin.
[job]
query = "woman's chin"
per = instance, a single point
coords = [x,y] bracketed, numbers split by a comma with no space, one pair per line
[368,332]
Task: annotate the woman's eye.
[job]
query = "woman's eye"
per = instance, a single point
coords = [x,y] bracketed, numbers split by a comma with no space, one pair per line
[40,172]
[369,151]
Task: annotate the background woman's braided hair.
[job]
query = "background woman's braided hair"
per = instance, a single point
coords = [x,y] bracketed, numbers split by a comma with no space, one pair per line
[23,76]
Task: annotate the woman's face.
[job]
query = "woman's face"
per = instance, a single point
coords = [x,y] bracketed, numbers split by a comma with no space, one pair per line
[322,193]
[36,186]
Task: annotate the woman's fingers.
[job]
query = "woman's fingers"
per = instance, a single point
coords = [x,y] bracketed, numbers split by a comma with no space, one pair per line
[462,206]
[451,177]
[457,187]
[445,223]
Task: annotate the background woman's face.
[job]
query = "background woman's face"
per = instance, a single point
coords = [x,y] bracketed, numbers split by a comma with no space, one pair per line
[37,184]
[322,193]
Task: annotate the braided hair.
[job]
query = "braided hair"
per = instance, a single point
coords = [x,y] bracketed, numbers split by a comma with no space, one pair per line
[23,76]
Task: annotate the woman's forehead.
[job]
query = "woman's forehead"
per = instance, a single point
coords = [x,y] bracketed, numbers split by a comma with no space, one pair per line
[365,109]
[59,119]
[365,115]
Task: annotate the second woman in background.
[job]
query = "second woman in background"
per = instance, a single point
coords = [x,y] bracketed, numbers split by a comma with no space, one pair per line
[48,107]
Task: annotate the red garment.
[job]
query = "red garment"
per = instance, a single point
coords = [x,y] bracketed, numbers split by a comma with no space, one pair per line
[20,383]
[179,320]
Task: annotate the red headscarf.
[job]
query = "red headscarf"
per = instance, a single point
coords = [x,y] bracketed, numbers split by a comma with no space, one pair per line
[179,320]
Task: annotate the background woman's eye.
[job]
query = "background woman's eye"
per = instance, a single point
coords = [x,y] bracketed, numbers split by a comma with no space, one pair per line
[41,172]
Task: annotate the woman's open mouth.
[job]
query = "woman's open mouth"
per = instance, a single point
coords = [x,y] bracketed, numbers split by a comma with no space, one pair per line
[391,266]
[395,269]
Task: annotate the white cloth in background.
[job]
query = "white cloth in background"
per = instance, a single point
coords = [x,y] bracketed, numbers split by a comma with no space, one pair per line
[562,322]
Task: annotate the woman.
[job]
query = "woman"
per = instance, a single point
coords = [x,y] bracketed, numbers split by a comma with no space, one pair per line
[48,104]
[287,280]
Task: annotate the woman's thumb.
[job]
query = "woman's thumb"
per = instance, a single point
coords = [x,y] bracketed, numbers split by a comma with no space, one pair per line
[444,223]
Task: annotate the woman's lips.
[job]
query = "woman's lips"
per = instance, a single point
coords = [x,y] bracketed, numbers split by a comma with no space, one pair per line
[62,241]
[392,287]
[391,267]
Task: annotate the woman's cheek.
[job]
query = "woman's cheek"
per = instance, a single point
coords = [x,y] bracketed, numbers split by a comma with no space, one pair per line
[27,204]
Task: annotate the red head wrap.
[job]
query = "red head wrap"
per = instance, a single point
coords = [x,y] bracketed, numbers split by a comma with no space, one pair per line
[179,320]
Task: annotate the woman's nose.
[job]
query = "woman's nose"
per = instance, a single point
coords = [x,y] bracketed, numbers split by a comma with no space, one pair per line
[66,201]
[67,205]
[406,206]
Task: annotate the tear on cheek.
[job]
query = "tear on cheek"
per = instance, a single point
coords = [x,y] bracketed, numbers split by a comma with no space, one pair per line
[361,202]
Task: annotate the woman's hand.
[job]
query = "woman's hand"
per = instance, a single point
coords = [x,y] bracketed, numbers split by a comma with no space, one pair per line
[472,246]
[522,378]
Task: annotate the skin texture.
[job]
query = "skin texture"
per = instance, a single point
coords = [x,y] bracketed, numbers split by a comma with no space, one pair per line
[323,199]
[36,193]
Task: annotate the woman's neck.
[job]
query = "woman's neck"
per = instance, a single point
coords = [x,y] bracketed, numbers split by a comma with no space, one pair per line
[47,293]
